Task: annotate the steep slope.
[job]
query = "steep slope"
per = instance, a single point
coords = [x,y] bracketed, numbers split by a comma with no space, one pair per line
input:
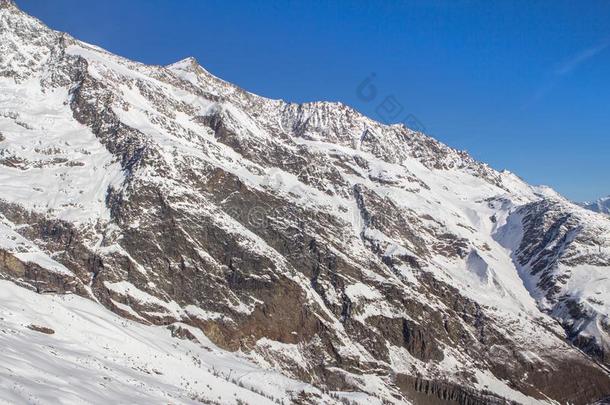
[563,257]
[309,239]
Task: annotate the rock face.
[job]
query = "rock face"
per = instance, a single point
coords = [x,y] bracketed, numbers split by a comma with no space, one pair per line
[347,254]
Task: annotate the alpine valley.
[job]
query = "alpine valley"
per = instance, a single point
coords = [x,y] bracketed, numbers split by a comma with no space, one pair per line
[167,237]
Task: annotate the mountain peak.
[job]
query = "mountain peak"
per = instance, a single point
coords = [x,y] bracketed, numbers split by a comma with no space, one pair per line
[190,63]
[189,69]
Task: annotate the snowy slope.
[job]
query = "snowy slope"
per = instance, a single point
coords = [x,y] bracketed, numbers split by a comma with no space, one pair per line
[94,356]
[314,243]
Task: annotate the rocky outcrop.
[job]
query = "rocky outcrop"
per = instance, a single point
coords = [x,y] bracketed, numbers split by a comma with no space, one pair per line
[36,277]
[351,255]
[427,392]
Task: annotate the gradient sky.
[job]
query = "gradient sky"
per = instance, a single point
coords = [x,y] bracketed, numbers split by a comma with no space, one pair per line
[522,85]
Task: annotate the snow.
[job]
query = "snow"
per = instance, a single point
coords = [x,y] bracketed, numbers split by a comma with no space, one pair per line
[127,289]
[602,205]
[487,381]
[589,286]
[289,351]
[25,250]
[196,312]
[360,290]
[95,356]
[52,165]
[61,168]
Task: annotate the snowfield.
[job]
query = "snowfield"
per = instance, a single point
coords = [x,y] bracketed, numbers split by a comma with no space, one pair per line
[97,357]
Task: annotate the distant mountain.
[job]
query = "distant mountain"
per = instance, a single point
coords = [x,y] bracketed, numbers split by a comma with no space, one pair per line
[167,237]
[602,205]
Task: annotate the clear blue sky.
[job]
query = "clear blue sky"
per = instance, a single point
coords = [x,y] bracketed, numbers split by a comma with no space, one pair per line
[522,85]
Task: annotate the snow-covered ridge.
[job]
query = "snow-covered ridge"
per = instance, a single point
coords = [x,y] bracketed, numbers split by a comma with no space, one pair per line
[370,261]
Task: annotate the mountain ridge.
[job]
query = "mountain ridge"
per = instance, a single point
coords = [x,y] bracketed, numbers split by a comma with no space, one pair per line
[602,205]
[350,255]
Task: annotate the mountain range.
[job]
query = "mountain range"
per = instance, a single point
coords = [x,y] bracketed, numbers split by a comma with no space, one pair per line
[602,205]
[168,237]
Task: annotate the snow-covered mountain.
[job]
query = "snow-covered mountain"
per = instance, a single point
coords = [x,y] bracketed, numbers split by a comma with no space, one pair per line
[602,205]
[188,241]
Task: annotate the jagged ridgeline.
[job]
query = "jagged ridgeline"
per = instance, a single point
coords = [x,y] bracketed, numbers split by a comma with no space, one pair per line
[178,239]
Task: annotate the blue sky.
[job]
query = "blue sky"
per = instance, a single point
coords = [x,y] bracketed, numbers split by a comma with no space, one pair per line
[522,85]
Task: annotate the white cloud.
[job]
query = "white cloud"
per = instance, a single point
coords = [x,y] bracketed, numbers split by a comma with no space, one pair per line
[577,59]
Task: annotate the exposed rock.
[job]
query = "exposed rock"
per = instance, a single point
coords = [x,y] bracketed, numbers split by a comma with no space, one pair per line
[42,329]
[350,255]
